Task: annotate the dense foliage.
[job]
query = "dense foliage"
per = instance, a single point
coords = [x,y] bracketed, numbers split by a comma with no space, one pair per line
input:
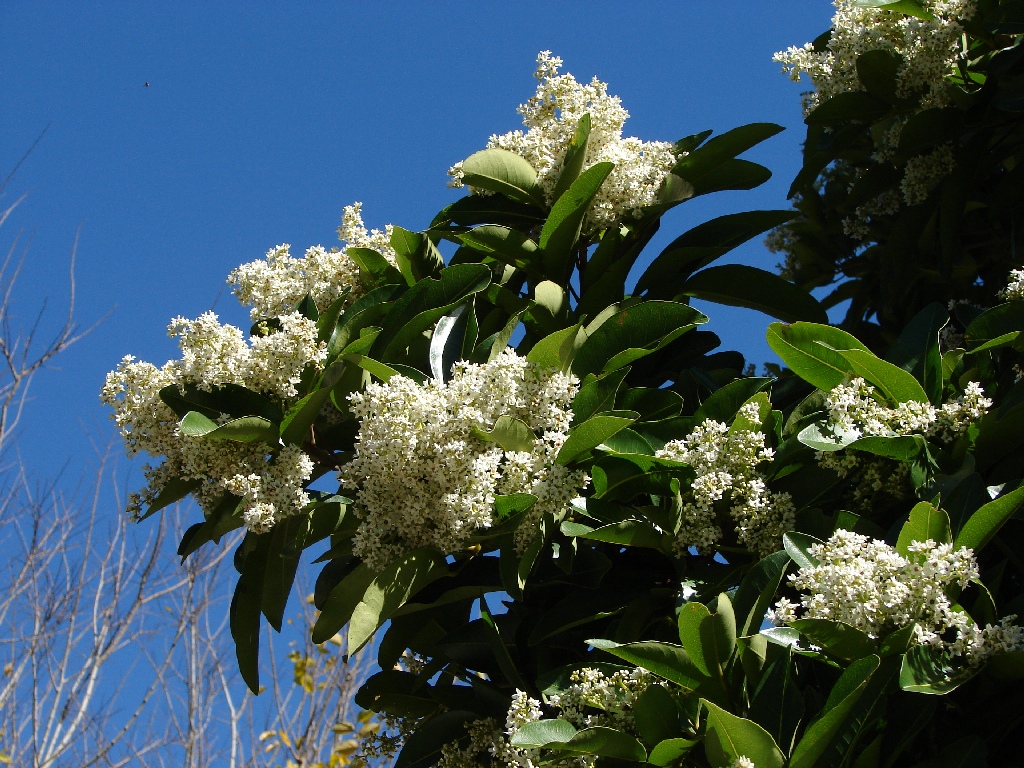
[579,532]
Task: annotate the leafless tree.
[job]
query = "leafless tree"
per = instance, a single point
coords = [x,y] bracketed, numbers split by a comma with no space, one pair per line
[112,653]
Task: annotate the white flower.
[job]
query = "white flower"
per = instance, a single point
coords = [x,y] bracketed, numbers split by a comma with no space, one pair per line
[867,584]
[929,50]
[1014,290]
[551,117]
[269,479]
[275,285]
[726,463]
[424,476]
[855,409]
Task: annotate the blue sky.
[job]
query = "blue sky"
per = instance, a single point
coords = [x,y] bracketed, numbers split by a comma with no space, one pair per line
[261,120]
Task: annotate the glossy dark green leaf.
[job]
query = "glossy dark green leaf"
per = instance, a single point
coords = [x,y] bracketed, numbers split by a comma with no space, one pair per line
[630,533]
[739,285]
[656,715]
[591,433]
[714,153]
[499,170]
[894,382]
[756,592]
[230,399]
[510,433]
[376,270]
[597,394]
[495,344]
[575,154]
[723,403]
[731,174]
[926,522]
[670,751]
[341,601]
[509,246]
[798,547]
[488,209]
[662,659]
[777,704]
[423,748]
[836,638]
[878,72]
[701,245]
[729,737]
[425,303]
[821,734]
[917,350]
[633,333]
[418,258]
[985,523]
[926,669]
[540,733]
[855,106]
[809,350]
[244,614]
[173,490]
[995,327]
[562,228]
[247,429]
[605,742]
[295,427]
[390,590]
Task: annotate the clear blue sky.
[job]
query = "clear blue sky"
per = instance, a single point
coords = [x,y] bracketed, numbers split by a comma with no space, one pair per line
[261,120]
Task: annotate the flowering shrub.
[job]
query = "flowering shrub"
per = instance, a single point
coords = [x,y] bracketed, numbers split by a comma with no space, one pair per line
[551,117]
[427,468]
[512,420]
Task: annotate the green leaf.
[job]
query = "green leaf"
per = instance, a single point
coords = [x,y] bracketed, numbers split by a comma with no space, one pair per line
[633,333]
[809,350]
[917,350]
[597,394]
[995,327]
[366,312]
[878,71]
[836,638]
[700,246]
[723,403]
[662,659]
[341,601]
[496,343]
[798,547]
[423,748]
[499,170]
[382,371]
[605,742]
[670,751]
[729,737]
[656,715]
[173,490]
[488,209]
[540,733]
[777,703]
[909,7]
[548,352]
[510,433]
[701,161]
[756,591]
[575,154]
[630,533]
[418,258]
[985,523]
[738,285]
[230,399]
[926,522]
[562,228]
[295,427]
[852,106]
[376,270]
[821,734]
[591,433]
[244,614]
[509,246]
[926,669]
[901,448]
[453,333]
[390,590]
[894,382]
[247,429]
[425,303]
[697,635]
[731,174]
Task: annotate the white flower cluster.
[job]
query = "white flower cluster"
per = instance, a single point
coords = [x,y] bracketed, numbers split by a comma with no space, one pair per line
[867,584]
[726,462]
[425,476]
[275,285]
[870,476]
[742,762]
[929,49]
[1014,290]
[551,116]
[854,408]
[593,698]
[268,480]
